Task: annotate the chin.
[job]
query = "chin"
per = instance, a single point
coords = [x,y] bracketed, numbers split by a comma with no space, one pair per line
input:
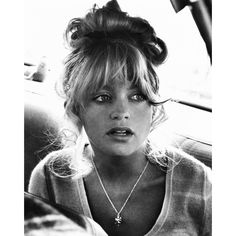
[121,151]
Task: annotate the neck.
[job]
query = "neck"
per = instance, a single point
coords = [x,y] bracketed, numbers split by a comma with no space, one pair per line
[120,167]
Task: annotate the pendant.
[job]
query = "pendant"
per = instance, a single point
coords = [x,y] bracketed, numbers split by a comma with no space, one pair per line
[118,220]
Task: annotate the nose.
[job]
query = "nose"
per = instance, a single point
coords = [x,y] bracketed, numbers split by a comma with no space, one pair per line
[120,111]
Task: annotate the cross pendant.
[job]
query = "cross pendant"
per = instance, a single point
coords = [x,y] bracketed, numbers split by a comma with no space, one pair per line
[118,220]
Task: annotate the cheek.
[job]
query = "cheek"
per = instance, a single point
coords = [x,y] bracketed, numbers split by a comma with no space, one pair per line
[148,120]
[93,120]
[143,118]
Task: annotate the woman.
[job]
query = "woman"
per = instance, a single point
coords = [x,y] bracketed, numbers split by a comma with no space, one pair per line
[113,173]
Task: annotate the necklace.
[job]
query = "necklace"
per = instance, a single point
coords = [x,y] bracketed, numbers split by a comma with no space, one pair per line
[118,218]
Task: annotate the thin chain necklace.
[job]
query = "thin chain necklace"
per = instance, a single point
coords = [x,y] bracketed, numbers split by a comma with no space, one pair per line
[118,218]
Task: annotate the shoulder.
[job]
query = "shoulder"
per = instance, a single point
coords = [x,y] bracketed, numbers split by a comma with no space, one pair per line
[65,164]
[187,165]
[187,172]
[191,175]
[59,158]
[180,162]
[37,183]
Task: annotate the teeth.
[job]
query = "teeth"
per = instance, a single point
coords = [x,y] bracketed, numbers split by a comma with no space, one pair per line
[120,132]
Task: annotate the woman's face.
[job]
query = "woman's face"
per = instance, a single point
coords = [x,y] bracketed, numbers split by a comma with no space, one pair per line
[117,119]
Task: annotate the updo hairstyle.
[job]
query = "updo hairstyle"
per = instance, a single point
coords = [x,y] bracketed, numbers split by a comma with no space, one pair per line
[108,44]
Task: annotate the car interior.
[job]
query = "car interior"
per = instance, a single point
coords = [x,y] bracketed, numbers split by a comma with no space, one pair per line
[42,125]
[43,112]
[44,109]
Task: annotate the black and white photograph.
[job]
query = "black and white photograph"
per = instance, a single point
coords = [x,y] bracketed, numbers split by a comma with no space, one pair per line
[118,117]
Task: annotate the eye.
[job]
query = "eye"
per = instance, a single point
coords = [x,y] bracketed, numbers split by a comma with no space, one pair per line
[138,97]
[102,98]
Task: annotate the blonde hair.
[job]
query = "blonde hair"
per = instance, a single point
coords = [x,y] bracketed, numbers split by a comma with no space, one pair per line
[107,45]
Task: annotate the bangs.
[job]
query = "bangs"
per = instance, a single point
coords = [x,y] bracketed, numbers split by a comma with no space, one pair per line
[109,62]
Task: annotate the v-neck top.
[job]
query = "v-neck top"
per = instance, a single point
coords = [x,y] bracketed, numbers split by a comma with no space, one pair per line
[162,216]
[186,208]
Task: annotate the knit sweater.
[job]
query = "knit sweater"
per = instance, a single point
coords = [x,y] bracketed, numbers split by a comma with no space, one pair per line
[186,208]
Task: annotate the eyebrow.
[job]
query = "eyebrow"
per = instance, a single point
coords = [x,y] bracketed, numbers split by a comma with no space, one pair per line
[108,87]
[133,86]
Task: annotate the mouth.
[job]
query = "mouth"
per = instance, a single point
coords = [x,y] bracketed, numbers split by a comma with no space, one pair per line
[120,132]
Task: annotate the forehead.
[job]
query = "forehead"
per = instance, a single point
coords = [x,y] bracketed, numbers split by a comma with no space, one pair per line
[112,85]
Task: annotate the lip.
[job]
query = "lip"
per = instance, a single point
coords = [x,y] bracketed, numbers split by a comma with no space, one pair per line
[120,133]
[120,129]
